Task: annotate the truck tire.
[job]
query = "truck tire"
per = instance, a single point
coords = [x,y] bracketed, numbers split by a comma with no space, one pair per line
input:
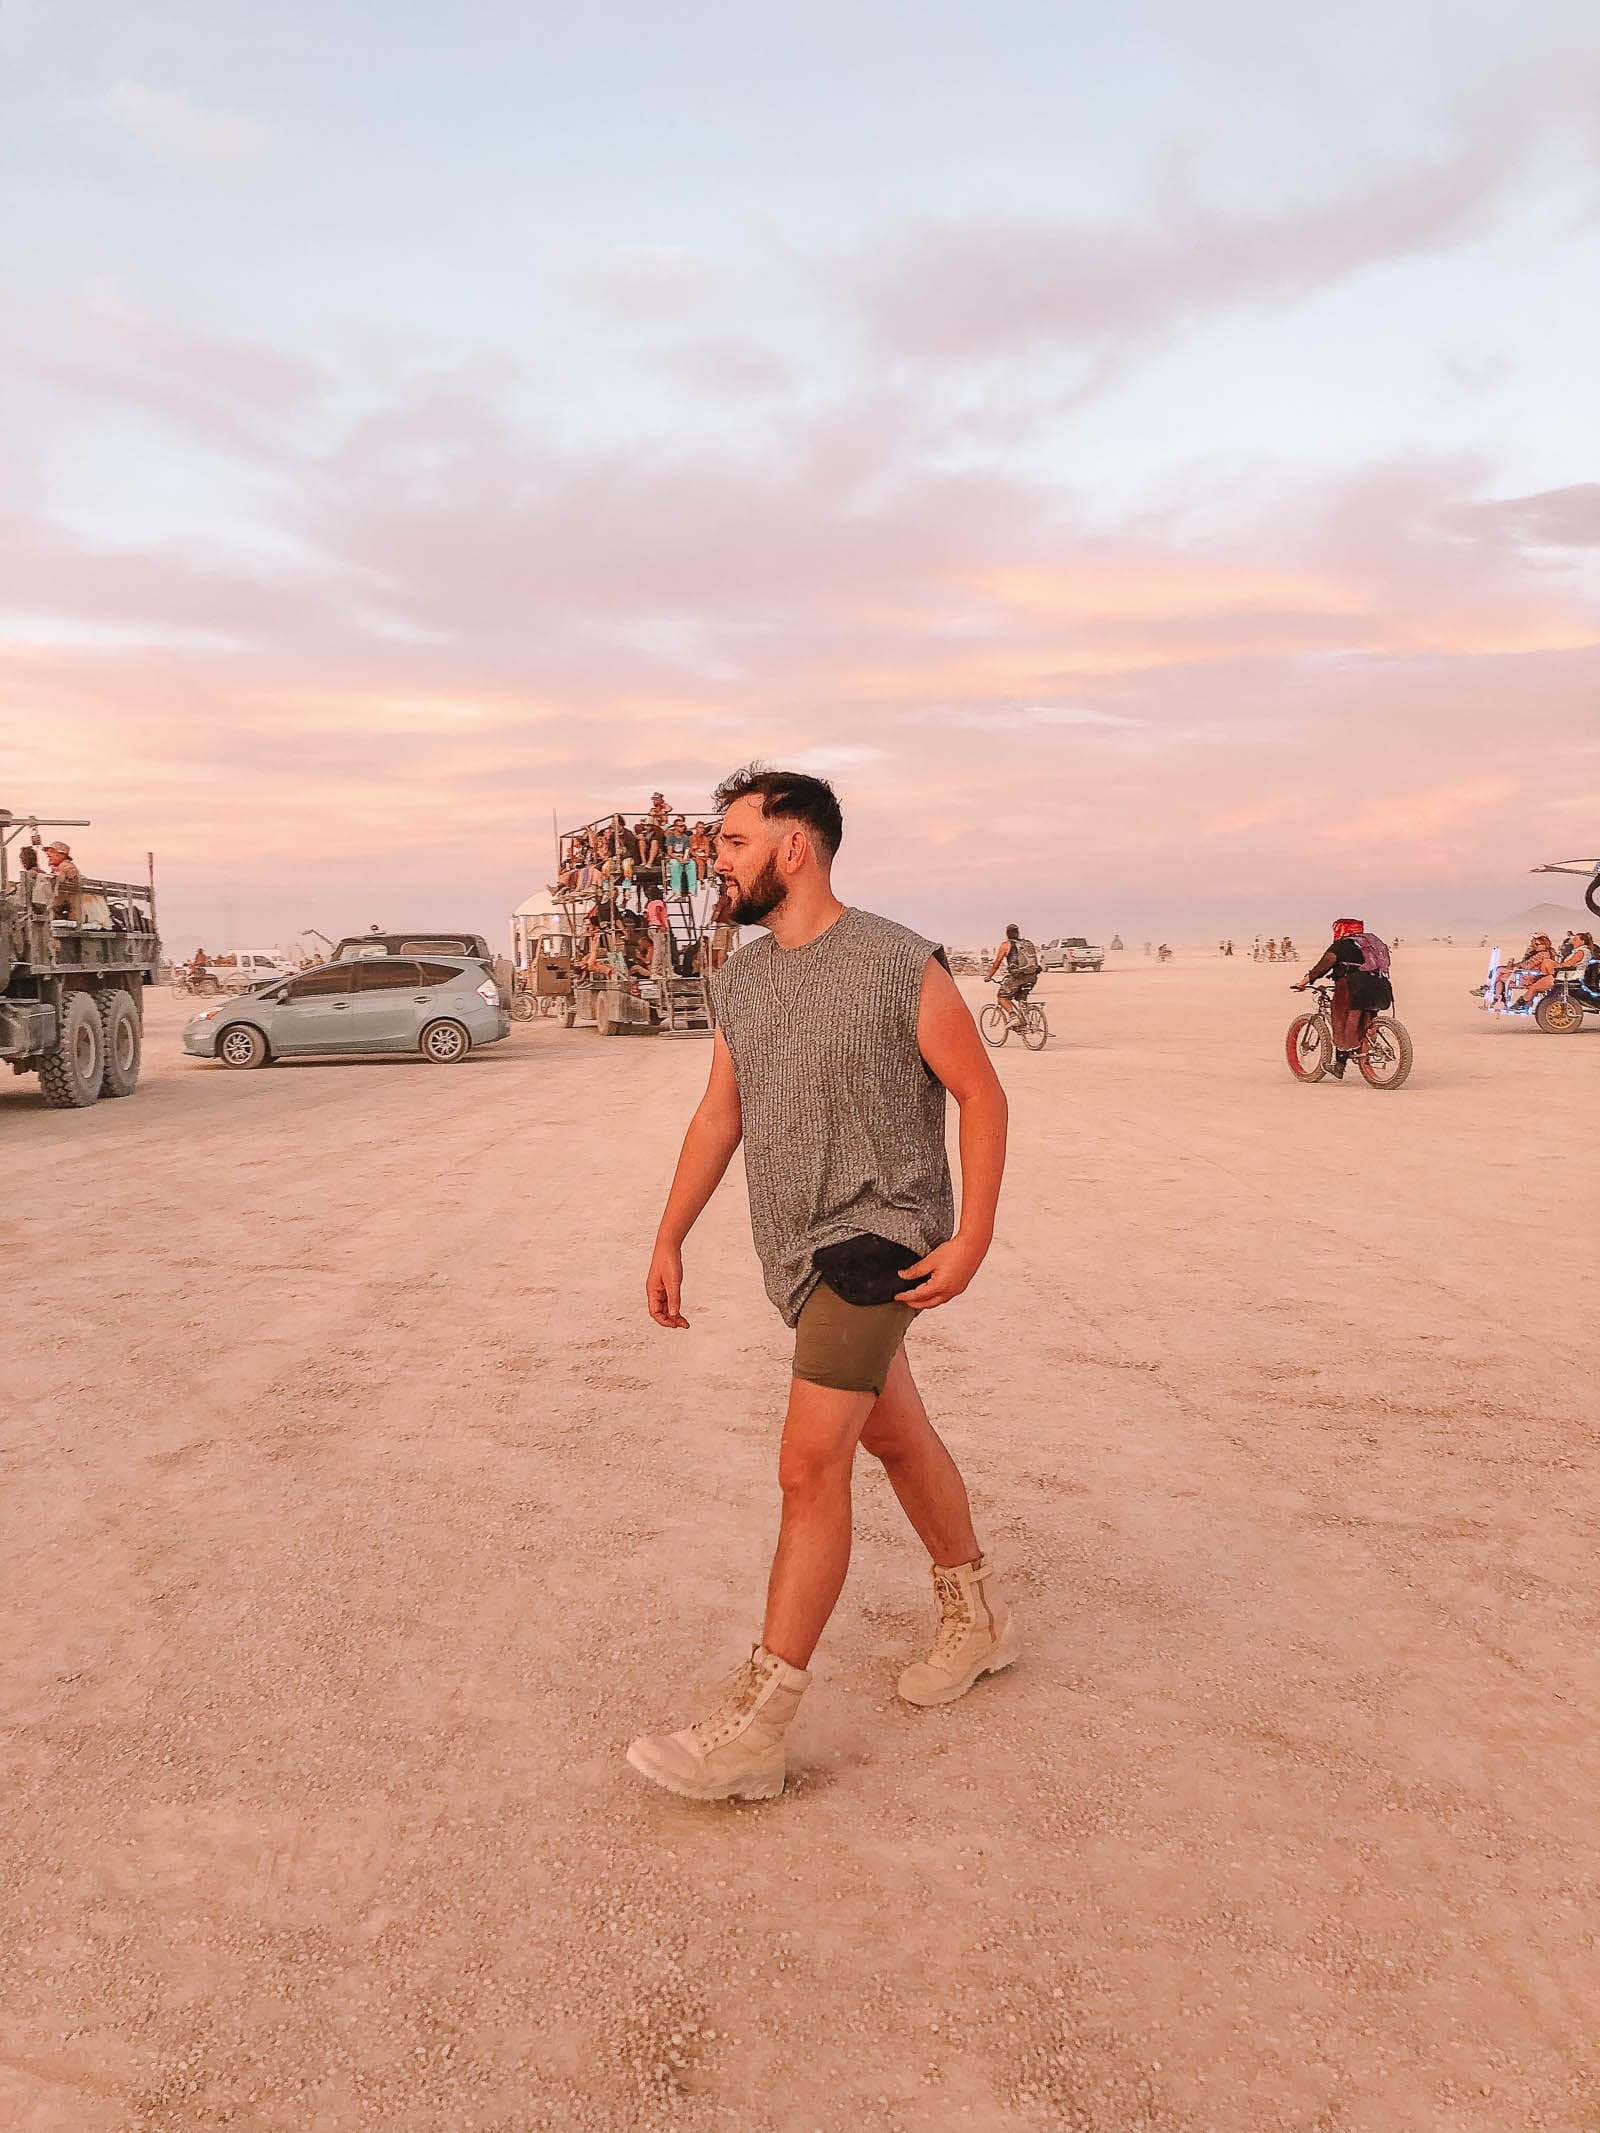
[74,1070]
[124,1042]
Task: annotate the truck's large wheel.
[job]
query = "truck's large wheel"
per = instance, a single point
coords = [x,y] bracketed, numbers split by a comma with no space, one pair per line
[73,1072]
[124,1042]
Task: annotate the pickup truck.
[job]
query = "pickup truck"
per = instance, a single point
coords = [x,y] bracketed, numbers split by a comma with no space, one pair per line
[1071,952]
[242,969]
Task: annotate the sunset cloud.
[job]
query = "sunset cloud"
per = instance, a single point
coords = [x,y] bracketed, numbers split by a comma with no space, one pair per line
[178,130]
[969,290]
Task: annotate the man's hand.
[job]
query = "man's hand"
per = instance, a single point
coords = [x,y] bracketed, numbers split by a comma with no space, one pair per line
[663,1287]
[946,1271]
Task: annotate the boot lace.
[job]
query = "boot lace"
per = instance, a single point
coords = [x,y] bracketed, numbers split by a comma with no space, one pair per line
[954,1620]
[737,1693]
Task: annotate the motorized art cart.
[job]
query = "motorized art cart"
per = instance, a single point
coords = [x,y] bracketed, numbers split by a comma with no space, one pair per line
[624,976]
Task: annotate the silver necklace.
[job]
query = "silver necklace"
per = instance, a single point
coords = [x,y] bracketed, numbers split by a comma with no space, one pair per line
[787,1007]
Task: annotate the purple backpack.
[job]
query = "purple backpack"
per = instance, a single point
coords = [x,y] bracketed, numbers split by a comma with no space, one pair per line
[1374,954]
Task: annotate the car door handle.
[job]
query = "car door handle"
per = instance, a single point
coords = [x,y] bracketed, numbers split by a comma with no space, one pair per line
[419,999]
[341,1007]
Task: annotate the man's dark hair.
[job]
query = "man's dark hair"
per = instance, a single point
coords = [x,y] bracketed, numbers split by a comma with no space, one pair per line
[1013,932]
[791,795]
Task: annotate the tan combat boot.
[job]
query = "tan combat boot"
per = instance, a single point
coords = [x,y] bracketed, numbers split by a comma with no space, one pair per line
[737,1752]
[973,1635]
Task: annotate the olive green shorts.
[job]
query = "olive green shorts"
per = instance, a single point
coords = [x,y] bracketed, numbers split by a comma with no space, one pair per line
[848,1346]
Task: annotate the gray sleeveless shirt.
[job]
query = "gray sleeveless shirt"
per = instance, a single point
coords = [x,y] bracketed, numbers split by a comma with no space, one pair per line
[843,1123]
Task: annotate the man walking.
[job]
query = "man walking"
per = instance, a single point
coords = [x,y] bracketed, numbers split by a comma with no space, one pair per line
[837,1039]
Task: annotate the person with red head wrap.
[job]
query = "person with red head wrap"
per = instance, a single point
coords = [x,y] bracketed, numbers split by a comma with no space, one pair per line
[1359,962]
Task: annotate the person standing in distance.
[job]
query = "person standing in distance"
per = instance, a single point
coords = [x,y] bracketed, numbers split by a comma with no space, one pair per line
[837,1038]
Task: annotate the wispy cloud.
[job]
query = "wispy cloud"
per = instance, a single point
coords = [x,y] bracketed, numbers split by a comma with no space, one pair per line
[1554,518]
[629,282]
[724,369]
[996,718]
[969,290]
[173,127]
[223,389]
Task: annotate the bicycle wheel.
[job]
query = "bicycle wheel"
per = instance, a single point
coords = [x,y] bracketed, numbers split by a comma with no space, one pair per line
[1385,1058]
[1036,1033]
[1309,1048]
[995,1024]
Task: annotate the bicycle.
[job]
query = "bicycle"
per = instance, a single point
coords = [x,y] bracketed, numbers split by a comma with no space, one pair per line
[1384,1054]
[1026,1017]
[188,984]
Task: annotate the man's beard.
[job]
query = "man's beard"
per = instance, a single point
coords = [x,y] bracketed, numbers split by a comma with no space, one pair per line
[761,899]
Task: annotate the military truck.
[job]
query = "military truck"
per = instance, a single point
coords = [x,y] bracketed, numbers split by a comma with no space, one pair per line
[72,994]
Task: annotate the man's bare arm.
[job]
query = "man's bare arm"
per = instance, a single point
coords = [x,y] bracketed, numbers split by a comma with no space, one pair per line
[948,1039]
[714,1133]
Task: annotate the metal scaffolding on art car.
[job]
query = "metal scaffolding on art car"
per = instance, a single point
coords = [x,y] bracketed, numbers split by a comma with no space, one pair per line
[605,966]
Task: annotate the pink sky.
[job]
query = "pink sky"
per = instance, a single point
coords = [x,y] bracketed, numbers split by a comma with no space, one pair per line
[1196,545]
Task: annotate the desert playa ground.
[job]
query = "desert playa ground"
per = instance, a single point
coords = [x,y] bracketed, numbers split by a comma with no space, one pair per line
[355,1516]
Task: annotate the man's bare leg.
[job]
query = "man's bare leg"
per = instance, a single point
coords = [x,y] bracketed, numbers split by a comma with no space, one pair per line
[820,1433]
[920,1469]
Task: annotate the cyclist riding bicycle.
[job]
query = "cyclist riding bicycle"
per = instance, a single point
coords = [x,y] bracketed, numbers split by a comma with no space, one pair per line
[1021,959]
[1358,963]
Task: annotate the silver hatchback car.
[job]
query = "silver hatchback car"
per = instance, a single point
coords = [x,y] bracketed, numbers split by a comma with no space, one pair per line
[439,1005]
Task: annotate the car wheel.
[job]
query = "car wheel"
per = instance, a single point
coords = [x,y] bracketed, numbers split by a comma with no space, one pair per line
[445,1043]
[242,1045]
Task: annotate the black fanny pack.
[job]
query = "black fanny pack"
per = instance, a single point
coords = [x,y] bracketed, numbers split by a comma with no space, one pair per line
[866,1269]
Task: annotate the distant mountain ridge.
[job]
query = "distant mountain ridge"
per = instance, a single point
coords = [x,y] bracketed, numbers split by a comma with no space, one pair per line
[1544,918]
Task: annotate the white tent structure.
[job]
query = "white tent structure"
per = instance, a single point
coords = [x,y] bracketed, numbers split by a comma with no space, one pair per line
[537,915]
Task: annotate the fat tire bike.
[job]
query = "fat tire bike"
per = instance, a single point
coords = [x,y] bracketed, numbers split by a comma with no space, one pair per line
[1384,1055]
